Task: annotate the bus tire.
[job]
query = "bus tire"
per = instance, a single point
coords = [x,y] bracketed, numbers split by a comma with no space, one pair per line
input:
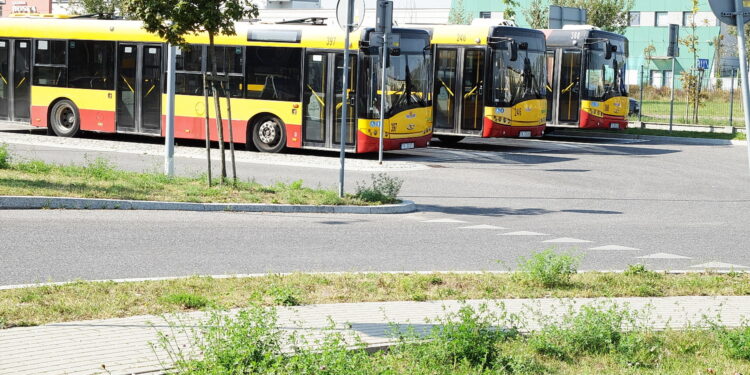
[269,134]
[64,119]
[449,140]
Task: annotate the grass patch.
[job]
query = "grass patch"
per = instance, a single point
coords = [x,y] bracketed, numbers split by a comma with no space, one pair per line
[470,341]
[186,300]
[687,134]
[100,179]
[99,300]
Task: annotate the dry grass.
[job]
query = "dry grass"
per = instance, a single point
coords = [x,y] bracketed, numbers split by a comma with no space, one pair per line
[99,300]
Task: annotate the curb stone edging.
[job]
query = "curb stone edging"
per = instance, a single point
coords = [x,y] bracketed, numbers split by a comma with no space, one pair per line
[25,203]
[677,140]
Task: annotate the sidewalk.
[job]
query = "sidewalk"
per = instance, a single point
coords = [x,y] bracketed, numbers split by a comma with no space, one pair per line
[122,345]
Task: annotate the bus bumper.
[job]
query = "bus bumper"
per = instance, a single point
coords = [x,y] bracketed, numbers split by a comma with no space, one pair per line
[366,143]
[589,121]
[495,130]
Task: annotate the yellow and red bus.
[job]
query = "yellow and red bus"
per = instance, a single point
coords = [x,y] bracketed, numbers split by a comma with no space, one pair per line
[586,73]
[72,75]
[488,82]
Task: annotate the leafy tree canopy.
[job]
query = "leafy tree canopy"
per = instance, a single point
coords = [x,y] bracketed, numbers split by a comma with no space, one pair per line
[173,19]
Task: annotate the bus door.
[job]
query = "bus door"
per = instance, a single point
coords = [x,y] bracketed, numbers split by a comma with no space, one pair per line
[323,101]
[20,80]
[458,91]
[4,79]
[139,72]
[570,86]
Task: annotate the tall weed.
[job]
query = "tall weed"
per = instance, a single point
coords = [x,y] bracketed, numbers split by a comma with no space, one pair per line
[547,268]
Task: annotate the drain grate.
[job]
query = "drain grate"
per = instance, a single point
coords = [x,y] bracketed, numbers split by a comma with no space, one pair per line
[436,166]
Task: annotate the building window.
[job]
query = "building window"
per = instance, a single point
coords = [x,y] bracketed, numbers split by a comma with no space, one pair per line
[485,14]
[635,19]
[688,19]
[661,19]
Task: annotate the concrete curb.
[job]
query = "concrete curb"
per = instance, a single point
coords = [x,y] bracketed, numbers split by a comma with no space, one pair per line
[25,203]
[665,139]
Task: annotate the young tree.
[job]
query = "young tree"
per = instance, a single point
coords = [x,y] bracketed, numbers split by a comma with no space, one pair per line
[537,14]
[173,19]
[509,13]
[648,55]
[458,14]
[609,15]
[690,80]
[102,8]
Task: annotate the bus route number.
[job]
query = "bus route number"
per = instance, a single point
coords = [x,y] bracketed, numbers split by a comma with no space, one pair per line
[330,41]
[461,37]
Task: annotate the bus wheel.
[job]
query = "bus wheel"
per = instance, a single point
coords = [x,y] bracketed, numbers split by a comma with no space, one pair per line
[269,134]
[449,140]
[64,119]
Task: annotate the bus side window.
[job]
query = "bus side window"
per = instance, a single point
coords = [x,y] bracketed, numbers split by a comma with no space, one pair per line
[273,73]
[91,64]
[49,63]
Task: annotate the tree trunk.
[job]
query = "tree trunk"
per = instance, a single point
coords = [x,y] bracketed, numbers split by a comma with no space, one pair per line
[217,106]
[208,127]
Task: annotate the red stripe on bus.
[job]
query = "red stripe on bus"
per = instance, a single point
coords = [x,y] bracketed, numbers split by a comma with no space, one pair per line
[495,130]
[39,116]
[98,121]
[366,143]
[589,121]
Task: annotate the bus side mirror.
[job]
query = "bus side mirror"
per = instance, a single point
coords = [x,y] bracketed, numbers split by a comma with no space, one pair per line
[609,49]
[513,51]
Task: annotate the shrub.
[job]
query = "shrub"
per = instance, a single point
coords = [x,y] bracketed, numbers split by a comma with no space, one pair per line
[383,189]
[591,330]
[186,300]
[547,268]
[4,157]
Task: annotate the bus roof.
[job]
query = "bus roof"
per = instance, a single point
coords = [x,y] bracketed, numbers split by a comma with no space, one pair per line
[577,38]
[475,34]
[247,33]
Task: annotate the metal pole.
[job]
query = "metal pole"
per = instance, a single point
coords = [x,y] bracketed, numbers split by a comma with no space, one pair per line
[384,52]
[640,102]
[731,99]
[169,136]
[344,94]
[739,8]
[228,93]
[671,99]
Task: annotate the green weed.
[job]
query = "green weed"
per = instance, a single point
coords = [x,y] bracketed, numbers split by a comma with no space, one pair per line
[736,341]
[591,330]
[382,188]
[4,157]
[547,268]
[285,295]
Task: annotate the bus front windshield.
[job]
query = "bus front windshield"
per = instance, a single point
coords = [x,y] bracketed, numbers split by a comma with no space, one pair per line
[523,79]
[407,79]
[604,77]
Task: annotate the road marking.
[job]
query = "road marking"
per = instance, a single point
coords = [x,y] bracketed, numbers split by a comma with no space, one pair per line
[482,226]
[566,240]
[663,256]
[613,247]
[717,265]
[443,221]
[523,233]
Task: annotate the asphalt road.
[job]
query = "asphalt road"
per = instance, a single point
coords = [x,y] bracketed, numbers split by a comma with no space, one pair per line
[668,205]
